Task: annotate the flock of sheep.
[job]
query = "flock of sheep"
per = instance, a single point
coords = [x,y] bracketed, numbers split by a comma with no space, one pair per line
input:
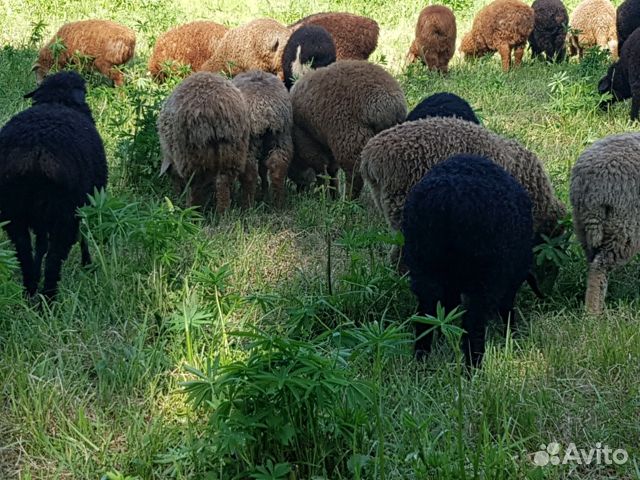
[303,101]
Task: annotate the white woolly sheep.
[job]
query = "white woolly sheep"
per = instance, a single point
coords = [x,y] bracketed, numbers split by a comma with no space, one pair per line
[204,135]
[605,182]
[270,122]
[108,43]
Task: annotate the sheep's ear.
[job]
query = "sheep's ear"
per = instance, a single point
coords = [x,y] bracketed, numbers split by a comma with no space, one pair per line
[166,165]
[31,93]
[275,44]
[605,85]
[77,95]
[35,67]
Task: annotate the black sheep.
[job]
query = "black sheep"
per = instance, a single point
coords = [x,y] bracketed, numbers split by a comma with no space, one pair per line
[51,157]
[627,20]
[549,30]
[443,104]
[310,44]
[623,78]
[468,232]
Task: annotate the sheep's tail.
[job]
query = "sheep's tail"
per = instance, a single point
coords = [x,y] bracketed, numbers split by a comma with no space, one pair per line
[593,223]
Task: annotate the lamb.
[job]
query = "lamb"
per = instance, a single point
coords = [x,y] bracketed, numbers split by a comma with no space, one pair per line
[623,78]
[395,160]
[204,136]
[255,45]
[270,120]
[108,43]
[502,26]
[355,37]
[336,110]
[51,158]
[627,20]
[605,181]
[435,41]
[549,30]
[443,104]
[593,23]
[190,44]
[311,46]
[468,233]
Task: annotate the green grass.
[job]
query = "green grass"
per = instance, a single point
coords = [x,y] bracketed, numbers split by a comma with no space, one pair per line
[290,325]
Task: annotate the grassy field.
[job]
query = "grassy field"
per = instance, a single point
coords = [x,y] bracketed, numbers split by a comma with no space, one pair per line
[276,344]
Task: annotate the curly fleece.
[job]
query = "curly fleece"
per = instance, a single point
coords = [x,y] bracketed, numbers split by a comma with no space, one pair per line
[443,104]
[596,21]
[605,182]
[435,40]
[549,30]
[468,235]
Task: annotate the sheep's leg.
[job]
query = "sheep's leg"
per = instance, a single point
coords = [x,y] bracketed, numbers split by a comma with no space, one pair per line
[506,310]
[596,288]
[248,182]
[84,252]
[223,192]
[635,106]
[19,235]
[200,189]
[42,245]
[518,53]
[277,165]
[429,292]
[505,55]
[478,310]
[354,182]
[264,181]
[334,186]
[61,239]
[107,69]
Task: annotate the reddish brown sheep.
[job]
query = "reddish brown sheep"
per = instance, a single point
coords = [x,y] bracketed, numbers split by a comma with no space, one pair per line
[355,37]
[108,43]
[435,41]
[189,44]
[501,26]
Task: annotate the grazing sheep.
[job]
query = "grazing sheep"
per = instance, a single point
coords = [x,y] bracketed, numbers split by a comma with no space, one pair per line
[435,41]
[355,37]
[627,20]
[204,135]
[595,20]
[190,44]
[336,110]
[443,104]
[623,78]
[549,30]
[468,239]
[605,182]
[311,46]
[108,43]
[255,45]
[502,26]
[395,160]
[270,121]
[51,158]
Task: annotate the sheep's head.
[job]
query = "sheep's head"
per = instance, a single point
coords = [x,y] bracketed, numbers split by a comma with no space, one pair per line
[40,72]
[471,47]
[614,83]
[67,88]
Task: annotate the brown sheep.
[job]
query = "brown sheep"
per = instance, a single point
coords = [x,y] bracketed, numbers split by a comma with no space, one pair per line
[204,135]
[257,45]
[502,26]
[270,121]
[189,44]
[355,37]
[336,110]
[108,43]
[595,20]
[435,41]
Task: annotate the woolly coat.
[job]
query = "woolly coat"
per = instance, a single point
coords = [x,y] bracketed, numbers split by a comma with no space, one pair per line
[468,235]
[443,104]
[108,43]
[190,44]
[596,21]
[355,37]
[51,157]
[605,182]
[396,159]
[270,122]
[627,20]
[502,26]
[204,135]
[336,110]
[623,77]
[311,46]
[255,45]
[435,40]
[549,30]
